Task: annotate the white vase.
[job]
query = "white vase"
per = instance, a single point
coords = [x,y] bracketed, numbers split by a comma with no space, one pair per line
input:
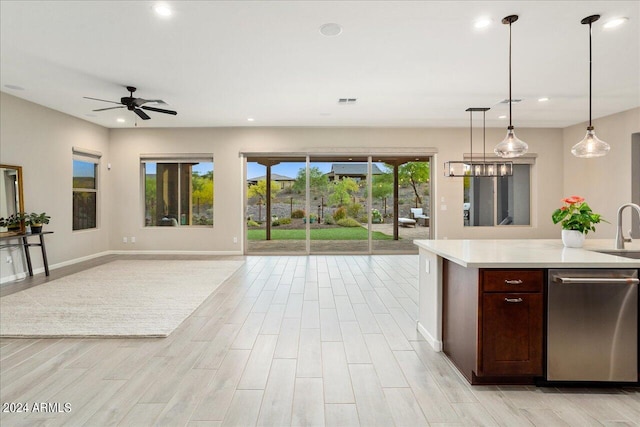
[572,238]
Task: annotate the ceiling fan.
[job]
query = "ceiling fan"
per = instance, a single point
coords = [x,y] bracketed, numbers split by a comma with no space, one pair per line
[135,104]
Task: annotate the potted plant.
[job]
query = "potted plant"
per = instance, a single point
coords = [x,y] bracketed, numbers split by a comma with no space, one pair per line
[36,221]
[13,222]
[577,219]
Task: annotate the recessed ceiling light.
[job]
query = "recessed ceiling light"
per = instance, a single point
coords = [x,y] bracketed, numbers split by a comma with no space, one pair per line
[14,87]
[615,22]
[331,29]
[120,120]
[251,119]
[482,23]
[502,117]
[543,99]
[162,9]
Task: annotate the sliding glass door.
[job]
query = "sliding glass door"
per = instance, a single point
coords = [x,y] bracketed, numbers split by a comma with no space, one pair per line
[327,204]
[275,205]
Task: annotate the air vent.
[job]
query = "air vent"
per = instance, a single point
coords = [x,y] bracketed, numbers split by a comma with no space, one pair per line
[346,101]
[506,101]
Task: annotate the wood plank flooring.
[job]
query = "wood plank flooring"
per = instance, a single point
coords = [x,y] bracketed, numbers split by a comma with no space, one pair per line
[302,341]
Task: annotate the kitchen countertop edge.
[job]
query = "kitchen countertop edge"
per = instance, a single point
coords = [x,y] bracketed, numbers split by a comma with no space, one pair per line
[529,253]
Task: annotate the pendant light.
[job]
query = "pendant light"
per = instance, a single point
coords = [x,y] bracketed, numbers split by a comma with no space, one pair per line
[478,168]
[511,146]
[590,146]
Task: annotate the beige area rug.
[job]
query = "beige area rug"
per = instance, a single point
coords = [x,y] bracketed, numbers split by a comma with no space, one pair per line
[126,298]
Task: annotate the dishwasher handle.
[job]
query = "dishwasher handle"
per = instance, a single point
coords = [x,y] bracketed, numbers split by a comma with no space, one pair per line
[603,280]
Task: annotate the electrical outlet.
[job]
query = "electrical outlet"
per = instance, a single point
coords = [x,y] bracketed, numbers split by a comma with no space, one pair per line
[124,240]
[9,260]
[133,239]
[235,240]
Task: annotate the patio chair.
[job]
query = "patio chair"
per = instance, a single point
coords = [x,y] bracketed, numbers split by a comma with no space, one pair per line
[419,216]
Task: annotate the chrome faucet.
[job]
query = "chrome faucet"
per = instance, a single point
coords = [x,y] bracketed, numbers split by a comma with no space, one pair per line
[620,239]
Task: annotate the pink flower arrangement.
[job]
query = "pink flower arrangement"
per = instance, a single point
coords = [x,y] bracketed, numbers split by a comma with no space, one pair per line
[576,214]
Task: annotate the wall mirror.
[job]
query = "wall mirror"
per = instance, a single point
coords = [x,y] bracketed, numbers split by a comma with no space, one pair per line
[11,197]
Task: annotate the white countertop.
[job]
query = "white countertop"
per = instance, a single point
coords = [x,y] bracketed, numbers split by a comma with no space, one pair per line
[529,253]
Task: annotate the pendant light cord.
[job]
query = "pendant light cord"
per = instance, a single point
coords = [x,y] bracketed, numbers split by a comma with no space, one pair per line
[471,134]
[590,72]
[510,98]
[484,137]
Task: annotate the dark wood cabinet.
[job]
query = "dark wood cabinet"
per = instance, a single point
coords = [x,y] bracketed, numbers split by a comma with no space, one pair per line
[493,323]
[511,334]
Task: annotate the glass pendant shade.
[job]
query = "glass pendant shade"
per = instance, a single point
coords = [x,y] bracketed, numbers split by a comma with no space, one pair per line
[590,146]
[511,146]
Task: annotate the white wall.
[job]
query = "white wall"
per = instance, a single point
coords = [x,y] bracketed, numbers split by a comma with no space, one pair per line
[605,182]
[40,140]
[226,143]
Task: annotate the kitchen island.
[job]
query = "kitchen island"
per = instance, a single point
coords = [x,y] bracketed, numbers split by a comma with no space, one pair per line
[463,282]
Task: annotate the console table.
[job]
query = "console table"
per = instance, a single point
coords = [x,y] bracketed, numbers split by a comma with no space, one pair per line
[24,241]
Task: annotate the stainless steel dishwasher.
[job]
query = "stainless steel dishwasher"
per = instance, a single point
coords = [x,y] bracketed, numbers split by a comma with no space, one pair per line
[592,325]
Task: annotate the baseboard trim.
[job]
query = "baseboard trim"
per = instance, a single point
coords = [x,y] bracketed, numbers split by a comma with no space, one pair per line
[39,270]
[434,343]
[13,278]
[176,252]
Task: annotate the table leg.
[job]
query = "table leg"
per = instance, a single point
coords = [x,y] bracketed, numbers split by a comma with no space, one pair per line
[27,255]
[44,256]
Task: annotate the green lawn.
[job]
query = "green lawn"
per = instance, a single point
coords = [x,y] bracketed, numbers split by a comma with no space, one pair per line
[340,233]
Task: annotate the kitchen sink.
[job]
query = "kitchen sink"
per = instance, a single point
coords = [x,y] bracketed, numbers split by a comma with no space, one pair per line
[633,254]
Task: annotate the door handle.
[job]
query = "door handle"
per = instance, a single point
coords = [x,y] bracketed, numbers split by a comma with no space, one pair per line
[513,299]
[603,280]
[513,282]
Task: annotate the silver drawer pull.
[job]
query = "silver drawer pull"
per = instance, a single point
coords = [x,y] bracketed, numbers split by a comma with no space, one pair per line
[513,282]
[513,299]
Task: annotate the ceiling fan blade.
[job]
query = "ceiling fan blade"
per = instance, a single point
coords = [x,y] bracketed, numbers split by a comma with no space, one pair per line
[108,108]
[160,110]
[141,114]
[140,101]
[103,100]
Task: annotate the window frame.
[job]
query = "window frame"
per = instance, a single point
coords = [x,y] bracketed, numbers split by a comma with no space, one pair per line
[180,160]
[529,160]
[86,156]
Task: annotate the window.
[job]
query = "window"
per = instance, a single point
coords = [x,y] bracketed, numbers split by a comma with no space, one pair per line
[178,191]
[85,189]
[511,204]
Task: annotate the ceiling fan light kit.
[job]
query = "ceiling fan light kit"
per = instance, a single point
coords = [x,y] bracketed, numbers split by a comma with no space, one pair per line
[135,104]
[590,146]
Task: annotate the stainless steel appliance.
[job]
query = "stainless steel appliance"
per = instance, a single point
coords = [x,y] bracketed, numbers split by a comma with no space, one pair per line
[592,325]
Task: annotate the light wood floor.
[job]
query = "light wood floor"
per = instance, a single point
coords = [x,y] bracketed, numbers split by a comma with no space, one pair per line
[319,340]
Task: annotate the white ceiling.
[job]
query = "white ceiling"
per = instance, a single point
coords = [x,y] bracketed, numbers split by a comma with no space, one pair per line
[408,63]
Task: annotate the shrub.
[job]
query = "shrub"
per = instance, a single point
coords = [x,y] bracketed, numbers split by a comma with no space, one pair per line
[376,216]
[354,209]
[328,219]
[252,223]
[363,219]
[284,221]
[275,223]
[298,213]
[340,213]
[348,222]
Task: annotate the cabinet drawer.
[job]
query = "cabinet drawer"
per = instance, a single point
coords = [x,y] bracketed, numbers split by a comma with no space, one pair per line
[512,280]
